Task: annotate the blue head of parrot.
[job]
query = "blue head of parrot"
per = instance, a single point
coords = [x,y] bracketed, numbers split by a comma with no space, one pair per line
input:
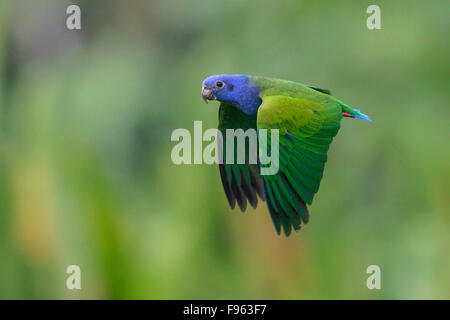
[234,89]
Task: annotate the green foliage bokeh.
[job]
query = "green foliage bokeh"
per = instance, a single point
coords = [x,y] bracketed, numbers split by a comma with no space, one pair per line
[86,176]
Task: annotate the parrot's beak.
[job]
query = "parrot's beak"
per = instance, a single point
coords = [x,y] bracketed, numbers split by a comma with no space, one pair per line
[207,94]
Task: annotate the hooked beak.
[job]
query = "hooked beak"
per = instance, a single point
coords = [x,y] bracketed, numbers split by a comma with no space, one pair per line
[207,94]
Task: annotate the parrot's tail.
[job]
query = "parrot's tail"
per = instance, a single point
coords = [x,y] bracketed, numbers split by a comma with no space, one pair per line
[354,113]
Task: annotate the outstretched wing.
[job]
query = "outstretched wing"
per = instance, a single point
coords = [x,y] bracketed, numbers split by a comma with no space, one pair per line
[306,129]
[241,182]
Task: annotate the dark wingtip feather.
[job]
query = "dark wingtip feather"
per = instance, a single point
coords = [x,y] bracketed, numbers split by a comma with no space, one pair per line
[287,229]
[305,217]
[275,220]
[240,198]
[257,183]
[226,187]
[249,192]
[273,215]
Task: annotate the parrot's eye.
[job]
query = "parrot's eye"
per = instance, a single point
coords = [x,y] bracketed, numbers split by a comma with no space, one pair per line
[219,84]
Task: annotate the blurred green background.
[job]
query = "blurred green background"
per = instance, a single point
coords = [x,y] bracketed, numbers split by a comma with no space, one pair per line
[86,176]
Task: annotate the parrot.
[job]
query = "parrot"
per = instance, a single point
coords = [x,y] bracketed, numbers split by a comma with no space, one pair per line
[307,119]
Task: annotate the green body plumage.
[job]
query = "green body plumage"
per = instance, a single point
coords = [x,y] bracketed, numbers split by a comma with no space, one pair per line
[307,119]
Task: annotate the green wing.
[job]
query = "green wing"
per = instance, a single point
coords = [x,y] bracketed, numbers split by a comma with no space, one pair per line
[241,182]
[306,129]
